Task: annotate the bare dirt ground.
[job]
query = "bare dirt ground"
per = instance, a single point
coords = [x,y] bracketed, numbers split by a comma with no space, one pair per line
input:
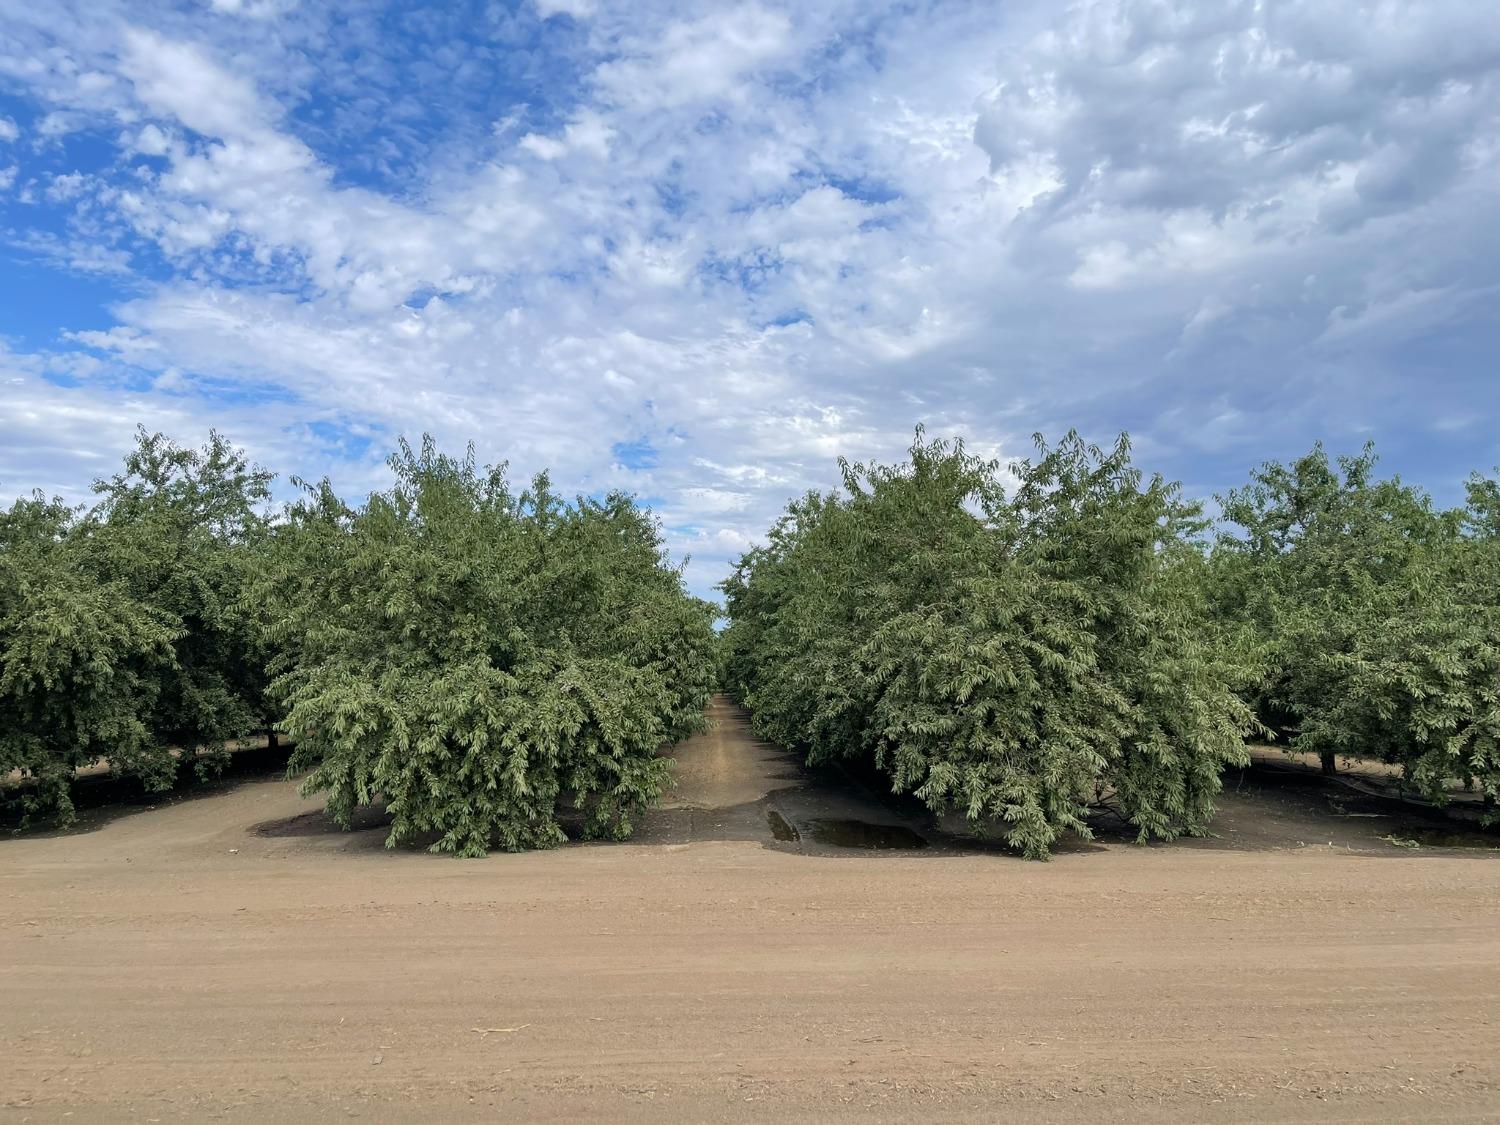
[772,946]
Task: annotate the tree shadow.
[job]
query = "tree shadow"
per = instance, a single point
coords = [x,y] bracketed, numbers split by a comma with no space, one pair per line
[102,798]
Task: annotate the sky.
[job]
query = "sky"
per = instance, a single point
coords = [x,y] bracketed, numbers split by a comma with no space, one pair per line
[700,251]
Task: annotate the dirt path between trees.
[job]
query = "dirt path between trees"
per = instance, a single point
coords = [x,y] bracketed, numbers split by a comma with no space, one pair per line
[772,946]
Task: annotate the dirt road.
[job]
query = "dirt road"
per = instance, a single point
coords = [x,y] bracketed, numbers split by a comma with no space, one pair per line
[749,957]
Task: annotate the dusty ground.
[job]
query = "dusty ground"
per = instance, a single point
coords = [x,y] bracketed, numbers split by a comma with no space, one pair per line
[229,957]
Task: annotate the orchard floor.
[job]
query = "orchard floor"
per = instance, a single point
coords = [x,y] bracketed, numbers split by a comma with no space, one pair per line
[227,956]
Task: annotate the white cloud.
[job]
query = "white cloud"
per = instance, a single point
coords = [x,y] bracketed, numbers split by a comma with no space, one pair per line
[180,81]
[696,60]
[578,9]
[544,148]
[253,9]
[587,134]
[8,130]
[59,440]
[757,237]
[151,141]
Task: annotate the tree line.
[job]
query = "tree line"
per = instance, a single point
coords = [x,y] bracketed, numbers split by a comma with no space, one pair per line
[1025,644]
[488,662]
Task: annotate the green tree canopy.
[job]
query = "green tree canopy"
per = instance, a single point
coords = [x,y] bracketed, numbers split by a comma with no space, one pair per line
[124,635]
[478,658]
[1016,655]
[1375,615]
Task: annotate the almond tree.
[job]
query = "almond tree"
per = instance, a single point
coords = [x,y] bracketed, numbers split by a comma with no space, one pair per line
[480,660]
[124,637]
[1375,616]
[1017,657]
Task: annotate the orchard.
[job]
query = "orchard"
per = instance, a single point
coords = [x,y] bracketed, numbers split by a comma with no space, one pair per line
[1025,645]
[472,656]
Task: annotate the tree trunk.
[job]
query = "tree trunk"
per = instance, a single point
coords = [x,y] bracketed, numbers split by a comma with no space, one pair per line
[1330,764]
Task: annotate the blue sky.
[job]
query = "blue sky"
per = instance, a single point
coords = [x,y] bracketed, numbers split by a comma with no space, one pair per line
[698,251]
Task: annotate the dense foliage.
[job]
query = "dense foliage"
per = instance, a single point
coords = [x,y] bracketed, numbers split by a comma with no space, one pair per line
[1022,645]
[1375,617]
[1020,657]
[123,631]
[479,659]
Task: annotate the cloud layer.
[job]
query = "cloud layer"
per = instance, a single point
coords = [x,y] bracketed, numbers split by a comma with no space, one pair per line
[700,253]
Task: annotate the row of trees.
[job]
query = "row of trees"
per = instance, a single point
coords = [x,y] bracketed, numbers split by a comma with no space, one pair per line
[1020,644]
[1015,654]
[1026,645]
[125,630]
[1372,616]
[481,660]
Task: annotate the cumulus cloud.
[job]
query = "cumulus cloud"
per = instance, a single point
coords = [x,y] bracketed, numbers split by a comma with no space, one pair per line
[696,60]
[178,80]
[748,239]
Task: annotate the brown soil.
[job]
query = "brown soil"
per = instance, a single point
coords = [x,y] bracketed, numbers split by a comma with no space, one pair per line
[773,945]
